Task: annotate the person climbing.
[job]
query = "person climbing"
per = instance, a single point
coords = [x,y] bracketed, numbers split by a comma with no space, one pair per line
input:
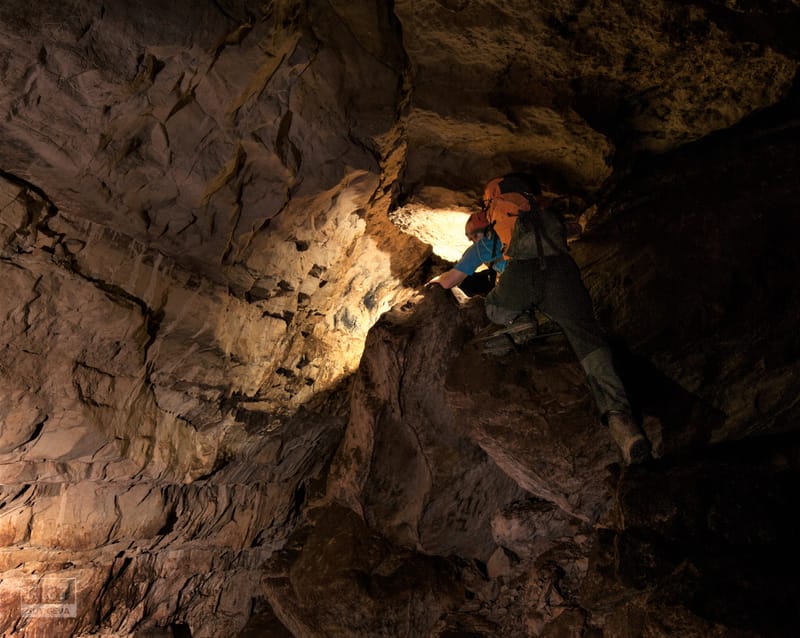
[485,249]
[516,234]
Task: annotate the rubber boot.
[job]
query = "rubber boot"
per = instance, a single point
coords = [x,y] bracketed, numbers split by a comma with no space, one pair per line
[630,438]
[499,340]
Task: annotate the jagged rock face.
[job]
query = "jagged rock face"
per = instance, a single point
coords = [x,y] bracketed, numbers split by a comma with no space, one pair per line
[195,242]
[564,86]
[697,543]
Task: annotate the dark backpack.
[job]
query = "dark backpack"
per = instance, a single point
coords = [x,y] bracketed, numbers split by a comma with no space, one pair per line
[536,232]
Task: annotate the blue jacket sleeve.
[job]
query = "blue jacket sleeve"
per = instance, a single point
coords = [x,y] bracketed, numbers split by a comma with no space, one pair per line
[469,261]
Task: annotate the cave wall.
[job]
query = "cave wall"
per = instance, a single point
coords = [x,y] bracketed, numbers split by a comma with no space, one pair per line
[190,201]
[195,246]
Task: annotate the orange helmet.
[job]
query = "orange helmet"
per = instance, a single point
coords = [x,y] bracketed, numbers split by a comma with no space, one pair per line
[475,223]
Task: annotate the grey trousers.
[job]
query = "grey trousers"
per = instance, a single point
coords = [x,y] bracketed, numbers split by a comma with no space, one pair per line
[558,292]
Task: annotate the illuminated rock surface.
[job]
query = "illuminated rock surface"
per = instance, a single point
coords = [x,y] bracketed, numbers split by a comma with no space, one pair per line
[228,406]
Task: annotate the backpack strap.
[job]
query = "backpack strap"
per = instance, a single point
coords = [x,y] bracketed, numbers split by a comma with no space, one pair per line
[495,243]
[539,231]
[531,221]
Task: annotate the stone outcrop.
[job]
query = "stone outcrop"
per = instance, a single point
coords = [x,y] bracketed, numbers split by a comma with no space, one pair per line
[229,406]
[480,496]
[566,86]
